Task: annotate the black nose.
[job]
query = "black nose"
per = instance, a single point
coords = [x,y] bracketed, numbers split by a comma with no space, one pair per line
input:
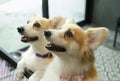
[20,29]
[47,33]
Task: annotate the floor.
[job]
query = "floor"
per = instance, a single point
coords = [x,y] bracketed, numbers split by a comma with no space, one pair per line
[107,57]
[108,64]
[7,72]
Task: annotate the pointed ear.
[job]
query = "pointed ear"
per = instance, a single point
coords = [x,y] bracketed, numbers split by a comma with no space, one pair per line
[96,36]
[46,23]
[57,21]
[70,21]
[33,15]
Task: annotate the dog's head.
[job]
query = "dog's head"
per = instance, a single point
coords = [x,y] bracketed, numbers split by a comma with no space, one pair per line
[71,40]
[33,30]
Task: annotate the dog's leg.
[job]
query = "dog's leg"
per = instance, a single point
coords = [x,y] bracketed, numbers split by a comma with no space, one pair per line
[20,69]
[36,76]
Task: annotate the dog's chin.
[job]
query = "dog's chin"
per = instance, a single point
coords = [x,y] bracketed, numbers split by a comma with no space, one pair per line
[29,39]
[55,48]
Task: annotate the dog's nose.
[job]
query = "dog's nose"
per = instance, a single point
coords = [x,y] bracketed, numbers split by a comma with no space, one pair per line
[20,29]
[47,33]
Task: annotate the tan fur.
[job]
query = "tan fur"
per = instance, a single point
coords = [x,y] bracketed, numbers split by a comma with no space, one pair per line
[86,49]
[57,21]
[91,74]
[79,54]
[45,22]
[97,35]
[86,54]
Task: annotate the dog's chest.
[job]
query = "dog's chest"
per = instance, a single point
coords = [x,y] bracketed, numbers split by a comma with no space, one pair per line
[75,77]
[65,72]
[35,63]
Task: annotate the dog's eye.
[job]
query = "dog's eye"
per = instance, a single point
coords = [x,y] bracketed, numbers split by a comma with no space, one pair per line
[68,33]
[36,25]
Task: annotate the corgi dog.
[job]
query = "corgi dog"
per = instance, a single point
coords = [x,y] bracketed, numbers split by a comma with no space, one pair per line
[73,50]
[37,57]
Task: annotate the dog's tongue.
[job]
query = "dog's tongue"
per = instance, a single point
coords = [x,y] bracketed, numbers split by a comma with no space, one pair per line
[25,39]
[54,47]
[29,39]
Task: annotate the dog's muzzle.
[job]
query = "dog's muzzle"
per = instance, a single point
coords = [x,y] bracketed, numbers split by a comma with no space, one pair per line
[20,30]
[25,38]
[51,46]
[47,34]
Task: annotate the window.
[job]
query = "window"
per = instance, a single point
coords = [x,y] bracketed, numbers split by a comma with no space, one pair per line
[68,8]
[15,13]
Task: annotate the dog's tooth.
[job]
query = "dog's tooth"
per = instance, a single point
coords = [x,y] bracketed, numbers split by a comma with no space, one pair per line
[25,38]
[47,44]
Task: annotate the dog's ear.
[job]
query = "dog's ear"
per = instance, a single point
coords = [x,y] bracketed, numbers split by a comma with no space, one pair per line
[57,21]
[32,15]
[96,36]
[70,21]
[46,23]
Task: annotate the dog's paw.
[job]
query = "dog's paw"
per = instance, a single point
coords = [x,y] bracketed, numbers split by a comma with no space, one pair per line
[20,70]
[32,79]
[20,75]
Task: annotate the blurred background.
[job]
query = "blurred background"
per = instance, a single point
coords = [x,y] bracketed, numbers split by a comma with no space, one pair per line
[87,13]
[14,13]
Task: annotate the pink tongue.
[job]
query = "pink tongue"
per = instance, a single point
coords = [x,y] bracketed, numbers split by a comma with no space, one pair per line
[25,39]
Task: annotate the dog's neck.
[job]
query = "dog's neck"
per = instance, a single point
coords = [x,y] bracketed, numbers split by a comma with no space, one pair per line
[71,64]
[39,47]
[68,56]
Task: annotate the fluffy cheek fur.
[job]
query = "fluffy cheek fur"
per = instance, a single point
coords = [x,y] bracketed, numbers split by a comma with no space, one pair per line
[73,49]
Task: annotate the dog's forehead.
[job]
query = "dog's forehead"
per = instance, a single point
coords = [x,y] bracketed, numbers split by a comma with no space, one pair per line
[73,28]
[67,26]
[79,34]
[37,20]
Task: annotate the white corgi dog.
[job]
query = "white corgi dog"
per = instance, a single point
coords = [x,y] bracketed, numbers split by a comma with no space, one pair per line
[37,57]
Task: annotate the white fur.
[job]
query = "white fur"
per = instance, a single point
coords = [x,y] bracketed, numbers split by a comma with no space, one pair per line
[64,63]
[32,62]
[29,59]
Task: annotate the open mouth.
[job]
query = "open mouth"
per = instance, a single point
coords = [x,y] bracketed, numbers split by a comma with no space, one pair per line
[29,39]
[53,47]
